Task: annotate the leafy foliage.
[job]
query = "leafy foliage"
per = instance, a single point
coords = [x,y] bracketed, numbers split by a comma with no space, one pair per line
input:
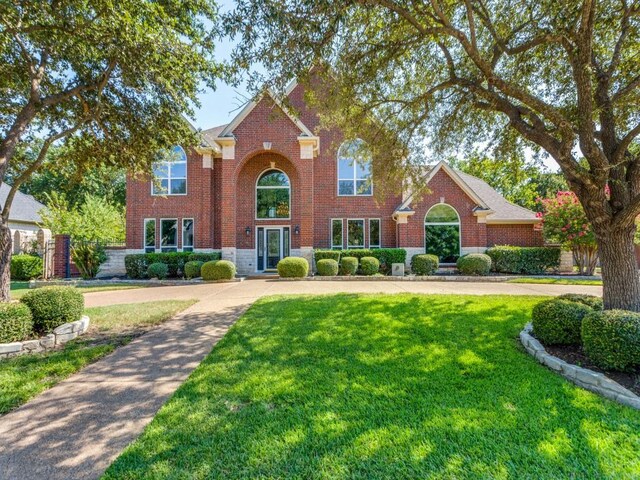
[16,323]
[204,257]
[424,264]
[87,257]
[218,270]
[369,265]
[386,256]
[590,300]
[327,267]
[25,267]
[192,269]
[327,254]
[293,267]
[474,264]
[137,264]
[158,270]
[558,321]
[348,265]
[611,339]
[53,306]
[524,260]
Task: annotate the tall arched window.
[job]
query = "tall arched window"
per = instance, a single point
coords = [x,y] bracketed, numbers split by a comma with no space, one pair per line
[442,233]
[354,169]
[273,195]
[170,173]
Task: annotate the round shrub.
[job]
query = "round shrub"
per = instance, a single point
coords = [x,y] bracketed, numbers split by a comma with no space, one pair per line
[369,265]
[16,322]
[25,267]
[557,321]
[53,306]
[348,265]
[327,267]
[293,267]
[158,270]
[218,270]
[474,264]
[590,300]
[192,269]
[424,264]
[611,339]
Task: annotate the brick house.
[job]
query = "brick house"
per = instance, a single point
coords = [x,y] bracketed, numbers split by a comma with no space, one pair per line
[265,186]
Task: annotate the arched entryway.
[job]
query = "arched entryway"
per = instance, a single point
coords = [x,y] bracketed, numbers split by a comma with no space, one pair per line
[442,233]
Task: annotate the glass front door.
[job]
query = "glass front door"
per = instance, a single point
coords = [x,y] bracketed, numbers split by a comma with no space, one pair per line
[273,248]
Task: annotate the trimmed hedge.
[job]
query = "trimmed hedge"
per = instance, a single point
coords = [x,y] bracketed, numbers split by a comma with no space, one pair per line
[204,257]
[557,321]
[424,264]
[137,264]
[474,264]
[218,270]
[611,339]
[327,267]
[369,265]
[590,300]
[25,267]
[327,255]
[192,269]
[158,270]
[53,306]
[386,256]
[206,270]
[16,322]
[348,266]
[293,267]
[524,260]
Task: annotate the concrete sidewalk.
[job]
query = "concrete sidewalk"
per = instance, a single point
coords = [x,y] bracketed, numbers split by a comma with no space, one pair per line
[77,428]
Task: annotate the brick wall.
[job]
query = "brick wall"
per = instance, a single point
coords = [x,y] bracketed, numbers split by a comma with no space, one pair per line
[518,235]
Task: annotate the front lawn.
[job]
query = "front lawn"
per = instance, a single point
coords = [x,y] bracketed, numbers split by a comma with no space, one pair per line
[18,289]
[21,378]
[386,387]
[556,281]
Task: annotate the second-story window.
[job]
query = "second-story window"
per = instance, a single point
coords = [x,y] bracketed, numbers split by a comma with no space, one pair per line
[354,169]
[170,173]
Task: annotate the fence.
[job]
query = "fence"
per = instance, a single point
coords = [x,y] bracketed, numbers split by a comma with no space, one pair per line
[62,265]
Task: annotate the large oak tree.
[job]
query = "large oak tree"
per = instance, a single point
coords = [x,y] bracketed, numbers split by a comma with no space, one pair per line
[110,79]
[561,76]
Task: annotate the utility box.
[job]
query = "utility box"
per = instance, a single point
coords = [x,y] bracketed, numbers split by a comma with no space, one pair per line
[397,269]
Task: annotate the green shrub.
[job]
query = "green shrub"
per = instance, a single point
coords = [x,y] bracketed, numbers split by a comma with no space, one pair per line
[348,266]
[524,260]
[25,267]
[474,264]
[204,257]
[369,265]
[16,322]
[590,300]
[53,306]
[327,267]
[136,265]
[192,269]
[424,264]
[611,339]
[386,256]
[219,270]
[158,270]
[557,321]
[327,255]
[293,267]
[206,270]
[87,257]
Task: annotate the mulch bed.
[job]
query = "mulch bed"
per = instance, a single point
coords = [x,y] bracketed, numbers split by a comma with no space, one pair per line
[575,355]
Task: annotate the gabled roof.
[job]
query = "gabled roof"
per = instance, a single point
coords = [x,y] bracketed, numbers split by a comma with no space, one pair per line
[24,208]
[210,134]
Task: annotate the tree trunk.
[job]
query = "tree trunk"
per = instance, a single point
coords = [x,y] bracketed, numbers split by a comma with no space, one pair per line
[621,283]
[5,262]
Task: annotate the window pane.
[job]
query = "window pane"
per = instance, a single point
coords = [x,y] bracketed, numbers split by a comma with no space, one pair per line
[336,233]
[443,241]
[442,214]
[273,179]
[345,187]
[364,187]
[345,168]
[355,233]
[272,203]
[363,170]
[168,233]
[187,233]
[150,233]
[178,186]
[179,170]
[161,170]
[178,154]
[374,233]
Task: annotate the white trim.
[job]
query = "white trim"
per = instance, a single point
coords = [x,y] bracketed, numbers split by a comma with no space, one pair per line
[159,242]
[265,228]
[186,177]
[379,245]
[332,246]
[255,213]
[458,223]
[364,234]
[144,234]
[193,222]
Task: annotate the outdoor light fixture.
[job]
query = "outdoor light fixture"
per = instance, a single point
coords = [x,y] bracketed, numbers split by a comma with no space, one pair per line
[266,145]
[296,230]
[247,231]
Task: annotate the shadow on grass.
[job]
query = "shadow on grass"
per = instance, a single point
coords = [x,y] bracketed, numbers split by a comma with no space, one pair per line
[401,386]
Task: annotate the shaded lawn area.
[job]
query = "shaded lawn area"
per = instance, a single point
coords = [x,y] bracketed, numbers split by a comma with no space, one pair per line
[382,387]
[556,281]
[22,378]
[18,289]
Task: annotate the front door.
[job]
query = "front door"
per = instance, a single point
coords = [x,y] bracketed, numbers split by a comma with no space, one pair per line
[273,246]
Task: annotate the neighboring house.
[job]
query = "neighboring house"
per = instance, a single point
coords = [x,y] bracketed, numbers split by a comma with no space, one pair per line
[265,186]
[24,210]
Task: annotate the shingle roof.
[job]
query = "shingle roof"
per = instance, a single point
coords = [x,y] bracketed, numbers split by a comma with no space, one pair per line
[24,208]
[209,135]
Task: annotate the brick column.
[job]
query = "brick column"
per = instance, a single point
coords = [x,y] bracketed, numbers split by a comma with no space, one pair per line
[62,258]
[228,201]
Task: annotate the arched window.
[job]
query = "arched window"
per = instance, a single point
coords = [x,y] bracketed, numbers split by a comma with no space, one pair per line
[354,169]
[273,195]
[442,233]
[170,173]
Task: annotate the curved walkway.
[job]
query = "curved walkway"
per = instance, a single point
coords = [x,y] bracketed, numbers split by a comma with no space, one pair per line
[77,428]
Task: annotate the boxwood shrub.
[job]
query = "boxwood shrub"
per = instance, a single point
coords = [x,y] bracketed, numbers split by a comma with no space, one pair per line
[192,269]
[204,257]
[221,270]
[524,260]
[424,264]
[25,267]
[206,270]
[293,267]
[327,267]
[327,255]
[137,265]
[611,339]
[348,266]
[158,270]
[557,322]
[386,256]
[53,306]
[369,265]
[16,322]
[590,300]
[474,264]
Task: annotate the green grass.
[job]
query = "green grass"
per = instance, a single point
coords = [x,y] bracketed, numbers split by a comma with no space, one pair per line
[382,387]
[21,378]
[18,289]
[555,281]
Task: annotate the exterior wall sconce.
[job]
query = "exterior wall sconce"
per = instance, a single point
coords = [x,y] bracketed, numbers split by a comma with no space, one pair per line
[247,231]
[266,145]
[296,230]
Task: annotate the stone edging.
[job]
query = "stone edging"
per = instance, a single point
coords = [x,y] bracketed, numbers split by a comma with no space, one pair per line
[125,281]
[60,336]
[583,377]
[406,278]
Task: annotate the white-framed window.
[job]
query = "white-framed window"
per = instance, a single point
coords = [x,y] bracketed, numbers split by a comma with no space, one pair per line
[168,234]
[337,239]
[354,169]
[273,195]
[442,233]
[149,235]
[170,173]
[355,233]
[374,233]
[187,234]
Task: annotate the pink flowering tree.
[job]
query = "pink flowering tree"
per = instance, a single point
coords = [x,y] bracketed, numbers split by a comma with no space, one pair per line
[565,222]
